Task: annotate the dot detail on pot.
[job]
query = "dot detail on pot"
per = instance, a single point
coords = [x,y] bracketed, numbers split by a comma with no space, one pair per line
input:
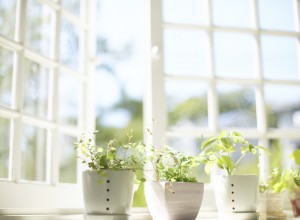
[107,181]
[107,190]
[107,199]
[107,209]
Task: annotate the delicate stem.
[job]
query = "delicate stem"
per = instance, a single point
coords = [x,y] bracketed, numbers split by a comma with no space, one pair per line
[239,159]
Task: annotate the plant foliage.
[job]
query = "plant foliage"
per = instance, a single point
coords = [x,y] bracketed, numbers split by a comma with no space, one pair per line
[218,150]
[172,166]
[114,155]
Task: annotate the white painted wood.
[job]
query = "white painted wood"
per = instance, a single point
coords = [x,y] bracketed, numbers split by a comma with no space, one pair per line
[236,193]
[170,201]
[111,194]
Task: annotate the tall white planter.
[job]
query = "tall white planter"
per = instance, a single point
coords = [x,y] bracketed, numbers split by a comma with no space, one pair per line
[112,194]
[237,195]
[170,201]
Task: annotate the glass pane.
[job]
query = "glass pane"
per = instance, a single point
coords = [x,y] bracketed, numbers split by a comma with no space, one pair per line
[8,17]
[69,97]
[234,55]
[38,27]
[33,154]
[6,75]
[72,5]
[4,147]
[280,62]
[67,159]
[233,13]
[187,108]
[182,11]
[281,150]
[36,89]
[69,41]
[190,146]
[277,14]
[282,106]
[186,52]
[236,106]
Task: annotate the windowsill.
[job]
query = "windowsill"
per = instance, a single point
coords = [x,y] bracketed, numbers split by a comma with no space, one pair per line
[136,215]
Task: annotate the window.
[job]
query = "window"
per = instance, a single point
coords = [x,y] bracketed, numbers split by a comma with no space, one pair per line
[225,65]
[43,78]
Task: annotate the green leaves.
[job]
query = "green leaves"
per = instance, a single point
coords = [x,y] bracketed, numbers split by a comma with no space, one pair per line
[128,156]
[218,150]
[296,156]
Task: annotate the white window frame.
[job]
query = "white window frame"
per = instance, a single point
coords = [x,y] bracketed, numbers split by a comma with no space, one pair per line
[50,197]
[155,113]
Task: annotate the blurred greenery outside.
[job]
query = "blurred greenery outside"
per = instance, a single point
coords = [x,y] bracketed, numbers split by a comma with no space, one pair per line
[190,110]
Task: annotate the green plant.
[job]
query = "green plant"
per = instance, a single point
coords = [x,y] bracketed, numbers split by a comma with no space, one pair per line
[114,155]
[170,165]
[218,150]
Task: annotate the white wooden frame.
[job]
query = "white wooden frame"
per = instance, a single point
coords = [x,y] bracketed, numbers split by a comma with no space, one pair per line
[50,196]
[155,103]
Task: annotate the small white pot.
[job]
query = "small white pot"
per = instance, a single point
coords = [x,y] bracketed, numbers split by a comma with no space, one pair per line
[236,193]
[170,201]
[112,194]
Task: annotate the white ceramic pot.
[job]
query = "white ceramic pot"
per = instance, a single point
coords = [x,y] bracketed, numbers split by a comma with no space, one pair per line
[112,194]
[170,201]
[236,193]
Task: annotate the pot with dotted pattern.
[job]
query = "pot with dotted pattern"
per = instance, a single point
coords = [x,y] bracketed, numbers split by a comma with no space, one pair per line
[236,193]
[111,193]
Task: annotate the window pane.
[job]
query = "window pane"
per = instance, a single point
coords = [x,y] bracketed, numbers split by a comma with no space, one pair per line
[72,5]
[36,89]
[282,106]
[67,159]
[236,106]
[280,61]
[4,147]
[277,14]
[69,49]
[187,104]
[186,52]
[8,17]
[38,27]
[281,149]
[69,96]
[33,154]
[234,55]
[190,146]
[6,75]
[182,11]
[233,13]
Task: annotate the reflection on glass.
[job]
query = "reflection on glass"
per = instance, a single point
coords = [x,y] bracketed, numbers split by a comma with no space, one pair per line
[33,154]
[38,27]
[67,159]
[4,147]
[281,149]
[187,104]
[190,146]
[186,52]
[187,12]
[282,106]
[8,17]
[234,55]
[69,44]
[277,14]
[72,5]
[36,89]
[69,96]
[280,62]
[236,106]
[232,13]
[6,73]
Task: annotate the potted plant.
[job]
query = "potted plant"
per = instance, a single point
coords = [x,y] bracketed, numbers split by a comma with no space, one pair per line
[233,193]
[108,184]
[293,183]
[272,193]
[173,192]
